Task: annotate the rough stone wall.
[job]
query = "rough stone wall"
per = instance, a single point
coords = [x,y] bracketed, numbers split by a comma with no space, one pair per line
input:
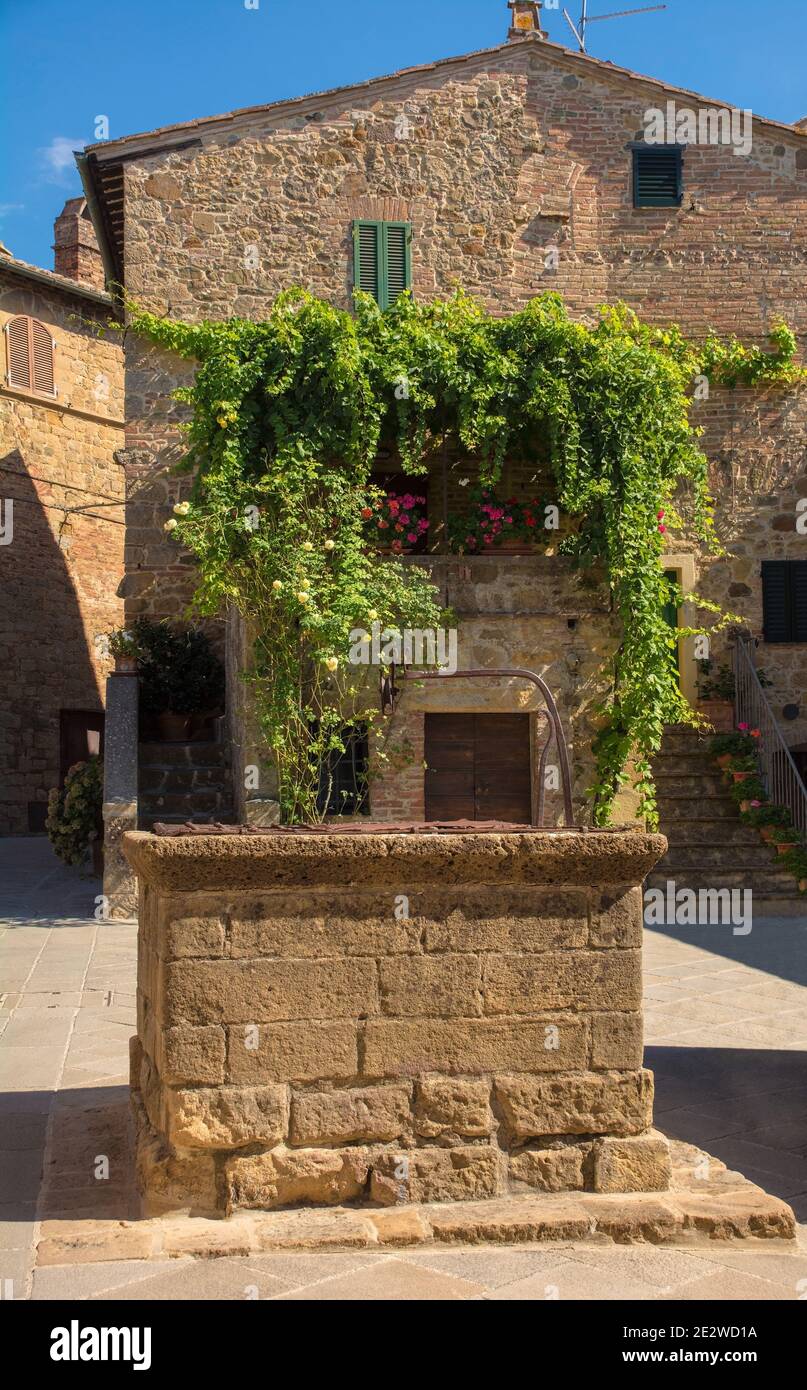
[503,157]
[758,446]
[320,1043]
[528,611]
[60,575]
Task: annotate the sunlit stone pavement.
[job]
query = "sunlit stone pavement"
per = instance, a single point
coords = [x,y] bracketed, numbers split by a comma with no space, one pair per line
[726,1036]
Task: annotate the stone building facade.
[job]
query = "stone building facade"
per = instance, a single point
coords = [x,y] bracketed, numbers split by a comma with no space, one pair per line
[63,515]
[493,159]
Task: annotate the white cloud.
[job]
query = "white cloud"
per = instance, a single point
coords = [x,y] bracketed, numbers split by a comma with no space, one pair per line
[57,157]
[7,208]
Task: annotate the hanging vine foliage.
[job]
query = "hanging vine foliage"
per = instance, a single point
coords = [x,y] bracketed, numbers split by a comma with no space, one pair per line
[287,418]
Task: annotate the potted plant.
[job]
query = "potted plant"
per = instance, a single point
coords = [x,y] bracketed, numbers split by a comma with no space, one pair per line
[766,816]
[75,814]
[716,692]
[180,677]
[725,747]
[124,646]
[785,838]
[743,767]
[747,790]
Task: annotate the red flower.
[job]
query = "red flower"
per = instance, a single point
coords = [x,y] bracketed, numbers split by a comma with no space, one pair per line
[366,513]
[663,530]
[660,515]
[756,733]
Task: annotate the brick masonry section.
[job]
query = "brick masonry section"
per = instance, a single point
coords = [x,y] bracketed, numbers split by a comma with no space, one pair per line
[325,1046]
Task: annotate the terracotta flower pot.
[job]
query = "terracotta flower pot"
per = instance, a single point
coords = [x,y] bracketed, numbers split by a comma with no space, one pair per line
[174,728]
[745,805]
[125,665]
[803,885]
[742,776]
[720,714]
[785,849]
[766,831]
[724,759]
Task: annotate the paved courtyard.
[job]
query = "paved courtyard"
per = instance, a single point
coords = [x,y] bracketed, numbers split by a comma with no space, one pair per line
[726,1036]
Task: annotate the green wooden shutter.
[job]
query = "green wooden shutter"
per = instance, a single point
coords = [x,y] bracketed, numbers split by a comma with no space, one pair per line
[397,263]
[382,259]
[368,257]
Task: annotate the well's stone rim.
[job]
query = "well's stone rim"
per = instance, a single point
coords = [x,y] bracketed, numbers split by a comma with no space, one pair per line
[566,857]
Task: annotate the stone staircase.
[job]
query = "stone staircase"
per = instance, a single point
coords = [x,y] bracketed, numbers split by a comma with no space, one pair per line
[180,782]
[709,845]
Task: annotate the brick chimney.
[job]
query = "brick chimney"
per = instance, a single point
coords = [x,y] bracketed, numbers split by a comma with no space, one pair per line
[525,21]
[76,252]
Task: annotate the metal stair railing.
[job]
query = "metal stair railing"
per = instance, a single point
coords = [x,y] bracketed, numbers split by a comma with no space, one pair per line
[780,775]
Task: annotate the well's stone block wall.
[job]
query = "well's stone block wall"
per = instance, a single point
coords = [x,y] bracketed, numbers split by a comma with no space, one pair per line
[391,1018]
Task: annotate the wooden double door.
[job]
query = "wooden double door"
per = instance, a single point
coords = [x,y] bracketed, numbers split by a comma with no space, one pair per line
[478,767]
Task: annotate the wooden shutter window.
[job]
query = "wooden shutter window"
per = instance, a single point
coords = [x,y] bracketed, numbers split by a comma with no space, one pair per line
[784,600]
[382,259]
[30,355]
[41,358]
[658,176]
[19,357]
[397,259]
[367,245]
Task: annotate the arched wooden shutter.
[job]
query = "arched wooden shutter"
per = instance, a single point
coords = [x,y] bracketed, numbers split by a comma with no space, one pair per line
[41,358]
[19,356]
[30,355]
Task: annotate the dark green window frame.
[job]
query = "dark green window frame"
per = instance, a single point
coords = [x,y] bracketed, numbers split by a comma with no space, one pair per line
[373,273]
[647,162]
[784,601]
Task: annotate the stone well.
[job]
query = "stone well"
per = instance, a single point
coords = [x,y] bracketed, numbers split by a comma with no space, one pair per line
[391,1018]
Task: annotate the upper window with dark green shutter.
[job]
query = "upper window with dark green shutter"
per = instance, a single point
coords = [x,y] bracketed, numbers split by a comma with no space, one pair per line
[784,600]
[382,259]
[657,176]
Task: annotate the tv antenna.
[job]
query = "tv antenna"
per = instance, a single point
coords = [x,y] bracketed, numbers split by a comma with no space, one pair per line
[585,19]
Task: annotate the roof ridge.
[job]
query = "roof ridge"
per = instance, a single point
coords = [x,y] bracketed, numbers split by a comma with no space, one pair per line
[538,44]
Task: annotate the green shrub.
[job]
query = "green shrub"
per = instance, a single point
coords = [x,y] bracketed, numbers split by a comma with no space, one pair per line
[75,812]
[179,671]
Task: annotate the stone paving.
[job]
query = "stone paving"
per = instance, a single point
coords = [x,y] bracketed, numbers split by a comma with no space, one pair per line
[726,1034]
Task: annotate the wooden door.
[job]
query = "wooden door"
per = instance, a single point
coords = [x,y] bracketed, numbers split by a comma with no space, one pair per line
[478,767]
[81,734]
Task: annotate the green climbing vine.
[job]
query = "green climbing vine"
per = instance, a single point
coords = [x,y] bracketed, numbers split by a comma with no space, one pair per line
[286,419]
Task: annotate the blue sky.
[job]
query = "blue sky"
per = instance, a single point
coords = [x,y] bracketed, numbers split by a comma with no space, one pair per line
[146,63]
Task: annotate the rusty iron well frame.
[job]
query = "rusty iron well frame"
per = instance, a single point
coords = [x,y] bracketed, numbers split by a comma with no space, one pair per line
[389,694]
